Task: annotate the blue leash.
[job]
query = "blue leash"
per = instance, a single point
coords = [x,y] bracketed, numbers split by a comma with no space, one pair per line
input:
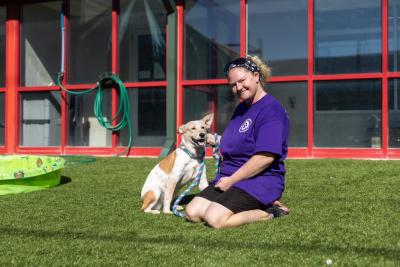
[216,155]
[196,181]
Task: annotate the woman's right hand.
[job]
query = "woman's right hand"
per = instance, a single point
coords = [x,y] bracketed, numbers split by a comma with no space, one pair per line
[224,183]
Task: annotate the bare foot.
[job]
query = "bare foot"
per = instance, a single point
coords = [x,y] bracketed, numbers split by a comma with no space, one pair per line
[282,207]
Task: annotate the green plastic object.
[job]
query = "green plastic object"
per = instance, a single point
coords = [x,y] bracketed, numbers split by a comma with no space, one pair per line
[21,174]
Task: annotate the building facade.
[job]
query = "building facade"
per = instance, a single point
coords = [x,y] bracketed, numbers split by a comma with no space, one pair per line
[334,68]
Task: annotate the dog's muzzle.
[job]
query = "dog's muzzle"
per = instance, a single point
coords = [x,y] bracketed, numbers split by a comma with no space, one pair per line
[199,142]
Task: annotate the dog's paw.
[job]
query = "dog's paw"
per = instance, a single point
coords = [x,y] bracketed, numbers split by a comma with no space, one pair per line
[210,140]
[152,211]
[167,212]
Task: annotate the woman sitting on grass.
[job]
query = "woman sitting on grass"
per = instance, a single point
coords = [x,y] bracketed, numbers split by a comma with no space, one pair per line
[253,147]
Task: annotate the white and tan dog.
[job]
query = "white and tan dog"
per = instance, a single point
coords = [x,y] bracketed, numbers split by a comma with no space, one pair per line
[177,169]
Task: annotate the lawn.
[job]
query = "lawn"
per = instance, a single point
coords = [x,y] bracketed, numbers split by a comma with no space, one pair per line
[343,210]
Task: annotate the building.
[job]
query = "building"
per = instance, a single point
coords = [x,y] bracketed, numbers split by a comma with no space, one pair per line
[334,63]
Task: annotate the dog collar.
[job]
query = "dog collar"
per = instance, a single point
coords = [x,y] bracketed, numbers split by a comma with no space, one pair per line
[184,149]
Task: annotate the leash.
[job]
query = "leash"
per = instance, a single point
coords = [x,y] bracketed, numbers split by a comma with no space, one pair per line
[216,155]
[196,181]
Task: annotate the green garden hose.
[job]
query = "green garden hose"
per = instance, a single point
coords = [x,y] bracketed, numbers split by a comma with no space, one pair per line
[122,118]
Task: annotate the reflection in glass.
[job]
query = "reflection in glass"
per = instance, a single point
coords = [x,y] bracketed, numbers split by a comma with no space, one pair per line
[394,36]
[348,113]
[347,36]
[199,101]
[293,96]
[394,113]
[40,57]
[40,123]
[277,32]
[142,40]
[83,127]
[2,119]
[148,117]
[2,45]
[90,45]
[212,37]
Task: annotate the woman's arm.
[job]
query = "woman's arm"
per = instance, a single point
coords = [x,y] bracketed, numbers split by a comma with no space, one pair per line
[252,167]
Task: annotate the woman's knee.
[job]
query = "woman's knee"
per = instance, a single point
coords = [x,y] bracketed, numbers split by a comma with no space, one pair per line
[196,209]
[217,216]
[193,213]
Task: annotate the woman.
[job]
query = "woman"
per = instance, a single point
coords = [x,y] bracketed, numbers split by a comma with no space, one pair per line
[253,147]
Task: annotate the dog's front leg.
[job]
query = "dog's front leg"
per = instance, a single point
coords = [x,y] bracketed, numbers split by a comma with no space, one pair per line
[203,180]
[168,195]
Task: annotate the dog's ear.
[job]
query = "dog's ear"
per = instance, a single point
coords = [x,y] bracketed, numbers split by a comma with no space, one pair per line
[182,129]
[208,119]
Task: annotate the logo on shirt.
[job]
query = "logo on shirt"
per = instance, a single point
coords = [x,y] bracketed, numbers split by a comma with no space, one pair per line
[245,126]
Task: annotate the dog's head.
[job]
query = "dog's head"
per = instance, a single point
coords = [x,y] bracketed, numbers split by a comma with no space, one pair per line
[195,132]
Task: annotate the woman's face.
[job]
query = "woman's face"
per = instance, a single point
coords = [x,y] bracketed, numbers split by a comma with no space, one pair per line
[244,84]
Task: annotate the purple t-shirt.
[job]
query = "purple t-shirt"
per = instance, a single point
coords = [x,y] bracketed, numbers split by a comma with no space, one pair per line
[261,127]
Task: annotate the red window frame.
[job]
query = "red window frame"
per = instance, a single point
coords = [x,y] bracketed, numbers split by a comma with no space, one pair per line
[310,151]
[13,90]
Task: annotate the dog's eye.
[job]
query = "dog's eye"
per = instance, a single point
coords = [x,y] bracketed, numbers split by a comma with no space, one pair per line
[202,127]
[193,128]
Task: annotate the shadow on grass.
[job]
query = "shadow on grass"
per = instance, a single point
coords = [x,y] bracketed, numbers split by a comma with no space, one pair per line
[64,180]
[130,236]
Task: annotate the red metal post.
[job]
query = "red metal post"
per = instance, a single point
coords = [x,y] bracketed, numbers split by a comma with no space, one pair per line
[12,77]
[179,70]
[243,28]
[310,81]
[214,105]
[114,69]
[64,96]
[385,94]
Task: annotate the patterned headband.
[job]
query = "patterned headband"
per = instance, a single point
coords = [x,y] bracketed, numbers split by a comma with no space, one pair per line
[244,62]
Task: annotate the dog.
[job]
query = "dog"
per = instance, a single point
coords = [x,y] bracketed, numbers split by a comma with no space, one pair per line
[179,168]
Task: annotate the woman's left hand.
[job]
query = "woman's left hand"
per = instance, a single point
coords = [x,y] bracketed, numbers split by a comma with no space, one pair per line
[224,183]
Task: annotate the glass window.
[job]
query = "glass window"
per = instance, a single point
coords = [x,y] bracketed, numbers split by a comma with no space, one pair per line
[83,127]
[40,57]
[394,36]
[2,119]
[2,45]
[348,113]
[148,117]
[212,37]
[347,36]
[40,123]
[199,101]
[90,45]
[278,33]
[394,113]
[142,40]
[293,96]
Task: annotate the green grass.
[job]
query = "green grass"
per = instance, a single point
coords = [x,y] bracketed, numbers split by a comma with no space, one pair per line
[344,210]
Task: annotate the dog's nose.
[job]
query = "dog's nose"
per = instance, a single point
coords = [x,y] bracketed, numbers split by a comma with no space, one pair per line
[202,135]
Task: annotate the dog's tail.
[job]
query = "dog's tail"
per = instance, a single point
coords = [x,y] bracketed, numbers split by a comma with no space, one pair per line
[147,199]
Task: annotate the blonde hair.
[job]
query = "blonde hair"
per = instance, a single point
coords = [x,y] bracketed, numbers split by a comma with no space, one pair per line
[265,70]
